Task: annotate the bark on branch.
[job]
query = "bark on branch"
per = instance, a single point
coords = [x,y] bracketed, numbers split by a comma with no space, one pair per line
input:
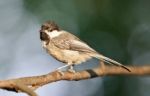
[29,84]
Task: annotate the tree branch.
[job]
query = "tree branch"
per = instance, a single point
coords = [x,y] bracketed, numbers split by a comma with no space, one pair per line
[29,84]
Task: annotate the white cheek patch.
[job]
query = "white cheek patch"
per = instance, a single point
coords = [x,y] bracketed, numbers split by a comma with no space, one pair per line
[53,34]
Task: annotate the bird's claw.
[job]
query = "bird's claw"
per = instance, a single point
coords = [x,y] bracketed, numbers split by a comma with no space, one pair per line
[60,72]
[71,71]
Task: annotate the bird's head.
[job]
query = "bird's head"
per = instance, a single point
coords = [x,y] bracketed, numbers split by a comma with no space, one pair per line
[49,26]
[46,28]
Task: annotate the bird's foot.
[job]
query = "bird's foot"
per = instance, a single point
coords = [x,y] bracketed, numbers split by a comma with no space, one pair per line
[71,69]
[60,69]
[60,72]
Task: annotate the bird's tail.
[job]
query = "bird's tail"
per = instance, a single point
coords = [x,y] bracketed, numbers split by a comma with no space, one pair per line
[110,61]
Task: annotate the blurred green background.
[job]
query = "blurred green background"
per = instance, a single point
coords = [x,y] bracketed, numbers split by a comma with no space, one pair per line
[119,29]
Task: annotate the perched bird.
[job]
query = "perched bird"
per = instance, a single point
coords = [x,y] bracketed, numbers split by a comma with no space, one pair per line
[68,48]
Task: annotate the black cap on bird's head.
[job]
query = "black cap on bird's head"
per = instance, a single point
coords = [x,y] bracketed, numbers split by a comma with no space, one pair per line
[49,26]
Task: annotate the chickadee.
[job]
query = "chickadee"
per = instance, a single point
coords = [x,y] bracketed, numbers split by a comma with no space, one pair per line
[68,48]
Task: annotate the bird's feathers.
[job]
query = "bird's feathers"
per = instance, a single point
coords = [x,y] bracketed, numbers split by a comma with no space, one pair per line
[68,41]
[110,61]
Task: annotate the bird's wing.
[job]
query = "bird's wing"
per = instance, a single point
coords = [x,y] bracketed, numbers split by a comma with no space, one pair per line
[80,46]
[69,41]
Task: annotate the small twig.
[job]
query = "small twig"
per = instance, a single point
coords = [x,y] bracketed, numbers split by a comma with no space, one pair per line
[25,89]
[17,87]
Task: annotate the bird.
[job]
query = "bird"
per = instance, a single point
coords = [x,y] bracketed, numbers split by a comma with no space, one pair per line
[68,48]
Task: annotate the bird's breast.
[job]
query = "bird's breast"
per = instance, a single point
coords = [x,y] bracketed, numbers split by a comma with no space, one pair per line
[66,56]
[75,57]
